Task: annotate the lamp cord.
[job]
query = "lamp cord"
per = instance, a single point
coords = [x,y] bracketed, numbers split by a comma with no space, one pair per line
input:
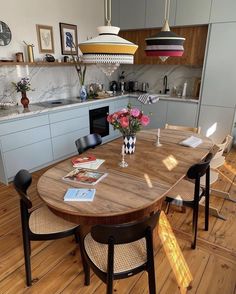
[108,12]
[167,9]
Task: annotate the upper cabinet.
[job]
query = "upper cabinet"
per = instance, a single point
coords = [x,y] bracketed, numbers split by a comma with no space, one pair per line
[115,13]
[194,45]
[191,12]
[155,12]
[223,11]
[132,14]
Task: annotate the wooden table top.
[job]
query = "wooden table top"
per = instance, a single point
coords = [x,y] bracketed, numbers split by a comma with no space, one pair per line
[126,193]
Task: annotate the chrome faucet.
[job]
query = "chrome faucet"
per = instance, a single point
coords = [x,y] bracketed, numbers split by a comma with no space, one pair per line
[165,89]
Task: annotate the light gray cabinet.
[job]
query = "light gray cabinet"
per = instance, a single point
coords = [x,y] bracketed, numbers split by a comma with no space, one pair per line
[155,13]
[216,122]
[191,12]
[223,11]
[157,112]
[115,13]
[220,70]
[66,127]
[25,144]
[132,14]
[181,113]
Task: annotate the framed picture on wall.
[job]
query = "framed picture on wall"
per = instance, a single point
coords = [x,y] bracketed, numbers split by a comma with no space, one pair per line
[45,39]
[69,39]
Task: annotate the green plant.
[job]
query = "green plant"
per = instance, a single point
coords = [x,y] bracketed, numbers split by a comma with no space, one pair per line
[23,85]
[79,66]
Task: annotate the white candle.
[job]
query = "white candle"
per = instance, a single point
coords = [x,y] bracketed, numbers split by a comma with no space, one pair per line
[158,132]
[123,150]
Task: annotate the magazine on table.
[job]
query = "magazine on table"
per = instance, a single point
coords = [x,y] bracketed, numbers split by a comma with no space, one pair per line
[83,159]
[84,176]
[91,164]
[73,194]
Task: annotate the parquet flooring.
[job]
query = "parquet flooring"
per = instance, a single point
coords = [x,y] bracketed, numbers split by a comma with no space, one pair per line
[56,265]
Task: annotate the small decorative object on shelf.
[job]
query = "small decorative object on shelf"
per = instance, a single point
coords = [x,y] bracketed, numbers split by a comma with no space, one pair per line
[123,163]
[158,144]
[23,86]
[30,52]
[128,121]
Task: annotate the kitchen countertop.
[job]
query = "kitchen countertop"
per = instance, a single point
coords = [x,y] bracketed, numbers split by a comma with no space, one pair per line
[42,107]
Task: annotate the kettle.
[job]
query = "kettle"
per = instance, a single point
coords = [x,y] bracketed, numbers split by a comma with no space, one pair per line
[144,87]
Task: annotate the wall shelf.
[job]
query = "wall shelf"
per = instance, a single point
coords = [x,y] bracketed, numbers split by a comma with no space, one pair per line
[40,63]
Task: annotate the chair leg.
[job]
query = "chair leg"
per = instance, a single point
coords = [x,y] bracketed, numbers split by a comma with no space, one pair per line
[152,280]
[27,253]
[195,224]
[86,266]
[167,208]
[207,204]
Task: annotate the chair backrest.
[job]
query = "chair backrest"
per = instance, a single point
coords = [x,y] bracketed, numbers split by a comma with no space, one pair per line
[87,142]
[223,146]
[183,128]
[22,181]
[199,169]
[124,233]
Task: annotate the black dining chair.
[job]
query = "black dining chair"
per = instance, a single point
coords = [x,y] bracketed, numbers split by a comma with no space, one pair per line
[40,223]
[120,251]
[185,193]
[87,142]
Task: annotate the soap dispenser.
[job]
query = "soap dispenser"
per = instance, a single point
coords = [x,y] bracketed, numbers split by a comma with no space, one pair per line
[184,90]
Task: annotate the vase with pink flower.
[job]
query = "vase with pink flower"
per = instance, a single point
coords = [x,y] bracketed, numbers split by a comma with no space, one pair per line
[23,86]
[128,121]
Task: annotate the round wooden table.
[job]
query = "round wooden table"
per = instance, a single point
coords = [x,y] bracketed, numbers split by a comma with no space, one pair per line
[128,193]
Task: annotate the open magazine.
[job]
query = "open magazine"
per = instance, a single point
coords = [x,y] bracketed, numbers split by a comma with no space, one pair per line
[84,176]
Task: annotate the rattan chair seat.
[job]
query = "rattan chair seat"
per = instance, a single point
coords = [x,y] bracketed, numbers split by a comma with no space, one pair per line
[126,256]
[43,221]
[183,191]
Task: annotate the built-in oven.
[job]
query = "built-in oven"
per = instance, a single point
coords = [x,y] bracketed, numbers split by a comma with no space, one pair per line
[98,121]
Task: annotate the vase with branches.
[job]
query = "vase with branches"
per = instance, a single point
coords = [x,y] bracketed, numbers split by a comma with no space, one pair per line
[80,69]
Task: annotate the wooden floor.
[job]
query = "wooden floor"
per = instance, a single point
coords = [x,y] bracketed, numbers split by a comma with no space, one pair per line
[56,265]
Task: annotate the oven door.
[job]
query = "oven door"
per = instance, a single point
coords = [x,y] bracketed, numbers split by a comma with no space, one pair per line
[98,121]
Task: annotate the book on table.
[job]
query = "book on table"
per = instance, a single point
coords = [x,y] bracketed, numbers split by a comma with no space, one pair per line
[191,142]
[73,194]
[83,159]
[84,176]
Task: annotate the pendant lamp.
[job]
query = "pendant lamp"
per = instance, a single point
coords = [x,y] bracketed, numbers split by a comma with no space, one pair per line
[108,50]
[166,43]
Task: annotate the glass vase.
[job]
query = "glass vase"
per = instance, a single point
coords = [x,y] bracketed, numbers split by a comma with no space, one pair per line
[24,100]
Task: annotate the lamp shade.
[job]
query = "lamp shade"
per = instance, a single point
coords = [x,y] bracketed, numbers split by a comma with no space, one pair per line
[108,47]
[165,44]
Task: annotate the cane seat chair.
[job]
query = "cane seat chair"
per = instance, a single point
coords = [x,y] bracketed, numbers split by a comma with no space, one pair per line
[87,142]
[185,193]
[120,251]
[39,223]
[183,128]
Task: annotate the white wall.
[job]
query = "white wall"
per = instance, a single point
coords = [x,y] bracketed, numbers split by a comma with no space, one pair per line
[22,17]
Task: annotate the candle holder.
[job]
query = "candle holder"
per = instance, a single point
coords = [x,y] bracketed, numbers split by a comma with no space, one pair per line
[123,163]
[158,144]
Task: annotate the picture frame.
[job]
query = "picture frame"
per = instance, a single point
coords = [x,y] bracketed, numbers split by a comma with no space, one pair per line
[68,33]
[45,38]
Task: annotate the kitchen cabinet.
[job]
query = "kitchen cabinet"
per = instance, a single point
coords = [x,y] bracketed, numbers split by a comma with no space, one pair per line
[157,112]
[216,122]
[132,14]
[218,96]
[192,12]
[220,69]
[115,13]
[66,127]
[25,143]
[181,113]
[223,11]
[155,13]
[194,45]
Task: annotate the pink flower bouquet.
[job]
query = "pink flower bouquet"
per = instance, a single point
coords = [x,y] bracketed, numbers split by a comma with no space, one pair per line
[128,120]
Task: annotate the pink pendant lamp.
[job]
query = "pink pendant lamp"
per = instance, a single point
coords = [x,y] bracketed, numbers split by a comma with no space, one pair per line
[166,43]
